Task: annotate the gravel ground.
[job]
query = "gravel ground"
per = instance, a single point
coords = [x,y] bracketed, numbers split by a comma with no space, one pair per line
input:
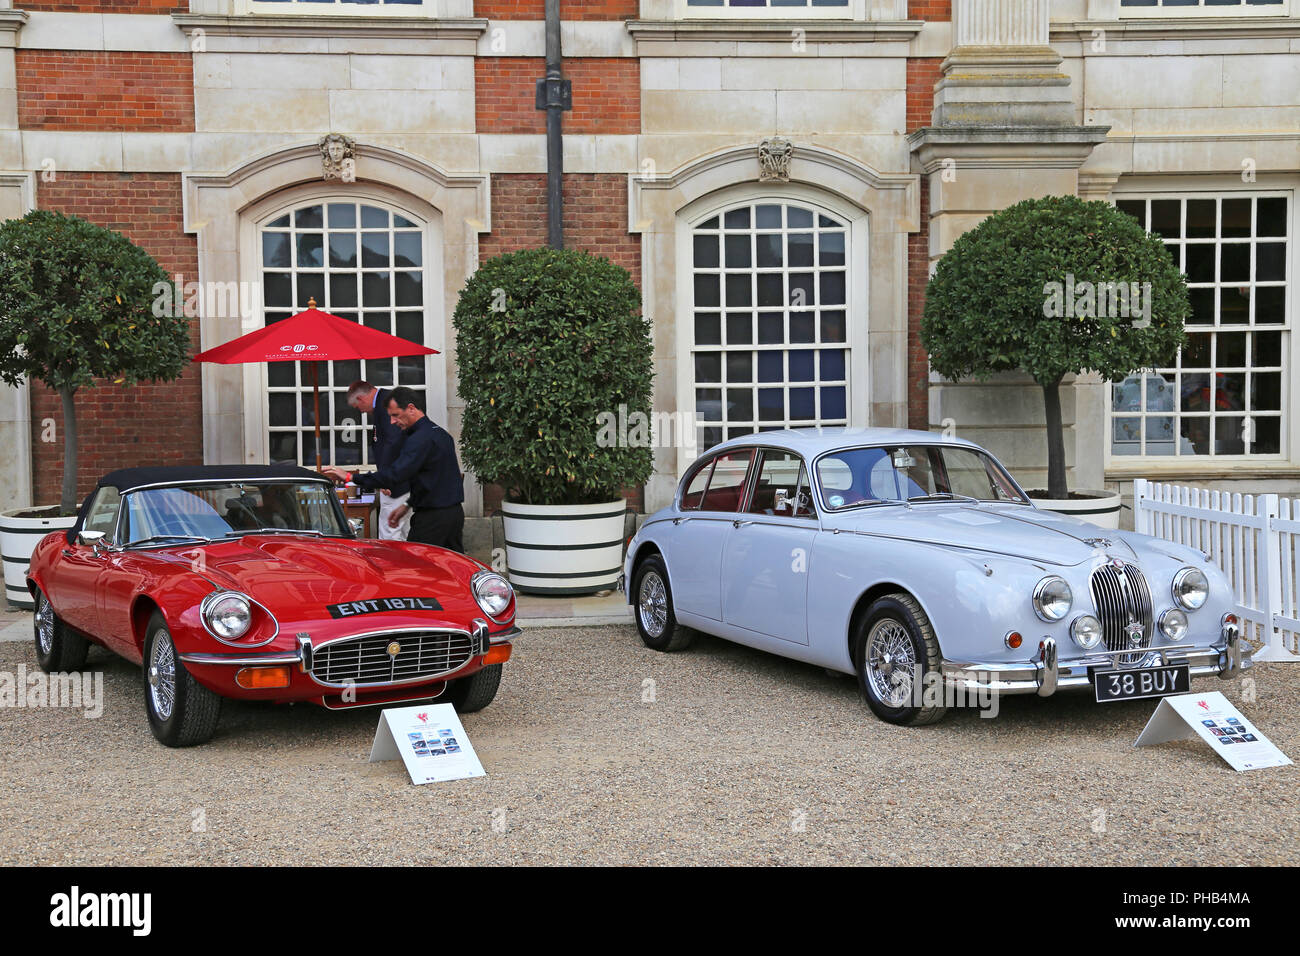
[742,758]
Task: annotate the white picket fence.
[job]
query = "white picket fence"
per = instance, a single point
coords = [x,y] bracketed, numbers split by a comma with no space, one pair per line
[1253,538]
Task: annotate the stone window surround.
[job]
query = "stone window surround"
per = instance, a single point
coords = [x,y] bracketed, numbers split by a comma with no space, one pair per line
[850,10]
[1123,467]
[223,211]
[1243,9]
[428,9]
[660,209]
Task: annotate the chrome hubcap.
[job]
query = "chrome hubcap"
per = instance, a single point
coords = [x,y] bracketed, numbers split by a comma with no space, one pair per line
[891,663]
[45,625]
[652,604]
[162,675]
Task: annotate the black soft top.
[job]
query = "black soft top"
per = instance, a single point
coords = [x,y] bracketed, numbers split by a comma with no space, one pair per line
[126,479]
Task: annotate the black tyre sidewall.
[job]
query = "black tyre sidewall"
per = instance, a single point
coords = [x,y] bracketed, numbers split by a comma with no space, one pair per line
[470,694]
[171,730]
[656,564]
[67,650]
[888,608]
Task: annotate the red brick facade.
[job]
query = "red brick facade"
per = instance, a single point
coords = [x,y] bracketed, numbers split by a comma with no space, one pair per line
[107,6]
[150,423]
[606,95]
[92,90]
[922,74]
[572,9]
[940,10]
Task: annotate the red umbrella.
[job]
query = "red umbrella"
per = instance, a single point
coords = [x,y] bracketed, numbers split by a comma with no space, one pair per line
[312,336]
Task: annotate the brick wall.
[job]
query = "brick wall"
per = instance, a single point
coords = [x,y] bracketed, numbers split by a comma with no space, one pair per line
[107,6]
[569,10]
[89,90]
[606,95]
[940,10]
[922,74]
[595,219]
[120,426]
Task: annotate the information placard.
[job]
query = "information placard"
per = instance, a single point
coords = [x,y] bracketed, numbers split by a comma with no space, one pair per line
[430,740]
[1212,718]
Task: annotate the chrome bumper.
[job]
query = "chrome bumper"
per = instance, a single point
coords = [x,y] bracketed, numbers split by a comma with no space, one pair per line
[303,656]
[1045,675]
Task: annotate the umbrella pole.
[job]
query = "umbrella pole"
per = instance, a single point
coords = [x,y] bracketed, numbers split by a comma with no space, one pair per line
[315,387]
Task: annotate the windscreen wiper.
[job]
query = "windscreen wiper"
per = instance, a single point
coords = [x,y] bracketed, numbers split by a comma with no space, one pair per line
[156,538]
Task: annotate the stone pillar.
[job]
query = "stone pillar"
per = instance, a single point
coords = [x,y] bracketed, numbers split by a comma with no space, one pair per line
[1004,129]
[17,197]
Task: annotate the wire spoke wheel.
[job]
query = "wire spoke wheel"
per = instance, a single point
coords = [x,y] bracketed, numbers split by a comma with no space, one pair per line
[891,662]
[652,604]
[162,675]
[45,625]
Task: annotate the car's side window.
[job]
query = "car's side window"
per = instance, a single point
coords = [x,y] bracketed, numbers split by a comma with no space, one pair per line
[103,513]
[693,496]
[727,484]
[782,487]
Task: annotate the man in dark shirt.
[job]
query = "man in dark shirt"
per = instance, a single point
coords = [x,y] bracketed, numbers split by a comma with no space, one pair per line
[427,462]
[386,443]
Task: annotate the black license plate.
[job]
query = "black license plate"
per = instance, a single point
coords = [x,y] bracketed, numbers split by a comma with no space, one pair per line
[1142,682]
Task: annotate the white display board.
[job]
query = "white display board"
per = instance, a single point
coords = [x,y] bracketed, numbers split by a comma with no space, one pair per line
[430,740]
[1213,718]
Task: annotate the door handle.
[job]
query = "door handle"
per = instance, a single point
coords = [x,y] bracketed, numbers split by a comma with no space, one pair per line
[740,524]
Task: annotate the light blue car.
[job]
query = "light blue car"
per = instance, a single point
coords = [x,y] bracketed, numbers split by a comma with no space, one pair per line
[917,563]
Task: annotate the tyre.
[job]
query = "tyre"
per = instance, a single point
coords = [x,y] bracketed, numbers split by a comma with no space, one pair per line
[58,648]
[655,620]
[895,645]
[468,694]
[182,712]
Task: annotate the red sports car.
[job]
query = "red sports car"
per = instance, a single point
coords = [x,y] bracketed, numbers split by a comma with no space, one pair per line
[246,581]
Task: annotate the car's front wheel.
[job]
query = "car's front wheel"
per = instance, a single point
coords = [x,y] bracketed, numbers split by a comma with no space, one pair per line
[58,648]
[182,712]
[897,656]
[655,620]
[468,694]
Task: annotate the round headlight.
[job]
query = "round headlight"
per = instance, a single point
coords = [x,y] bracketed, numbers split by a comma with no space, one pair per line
[1173,624]
[1191,588]
[1052,598]
[493,593]
[229,616]
[1086,631]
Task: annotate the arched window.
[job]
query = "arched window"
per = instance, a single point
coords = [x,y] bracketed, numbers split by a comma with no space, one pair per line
[770,306]
[360,261]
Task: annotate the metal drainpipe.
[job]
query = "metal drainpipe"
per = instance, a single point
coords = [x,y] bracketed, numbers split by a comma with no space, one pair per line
[555,95]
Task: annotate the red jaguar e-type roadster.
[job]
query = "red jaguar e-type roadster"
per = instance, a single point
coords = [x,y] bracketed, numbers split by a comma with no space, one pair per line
[246,581]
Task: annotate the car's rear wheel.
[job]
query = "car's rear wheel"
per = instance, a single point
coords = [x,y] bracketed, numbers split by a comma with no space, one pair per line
[58,648]
[655,620]
[468,694]
[182,712]
[897,656]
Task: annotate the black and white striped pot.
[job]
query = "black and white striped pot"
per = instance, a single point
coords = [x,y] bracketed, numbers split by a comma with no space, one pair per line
[18,539]
[564,549]
[1101,509]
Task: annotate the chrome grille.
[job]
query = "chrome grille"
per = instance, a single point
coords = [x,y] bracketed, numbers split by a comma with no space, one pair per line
[1122,598]
[365,659]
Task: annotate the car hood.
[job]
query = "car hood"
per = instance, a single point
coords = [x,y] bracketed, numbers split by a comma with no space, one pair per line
[1012,530]
[293,576]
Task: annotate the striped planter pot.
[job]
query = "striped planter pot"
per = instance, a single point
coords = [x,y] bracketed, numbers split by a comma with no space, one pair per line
[18,539]
[1101,510]
[564,549]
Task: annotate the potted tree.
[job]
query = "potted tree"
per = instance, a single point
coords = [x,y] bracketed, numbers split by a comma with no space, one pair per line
[77,303]
[1054,287]
[547,342]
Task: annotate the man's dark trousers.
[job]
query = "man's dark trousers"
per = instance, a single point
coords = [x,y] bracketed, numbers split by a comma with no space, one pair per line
[441,526]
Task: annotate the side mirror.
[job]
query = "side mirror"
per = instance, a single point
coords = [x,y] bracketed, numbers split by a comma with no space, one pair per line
[93,539]
[357,525]
[782,502]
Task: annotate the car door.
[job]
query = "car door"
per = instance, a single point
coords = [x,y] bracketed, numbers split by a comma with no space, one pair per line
[74,577]
[769,550]
[695,546]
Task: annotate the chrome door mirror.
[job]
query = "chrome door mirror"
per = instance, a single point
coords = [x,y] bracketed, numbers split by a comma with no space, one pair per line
[782,502]
[93,539]
[358,526]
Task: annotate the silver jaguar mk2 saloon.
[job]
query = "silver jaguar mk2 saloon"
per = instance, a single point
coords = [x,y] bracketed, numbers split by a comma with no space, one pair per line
[914,560]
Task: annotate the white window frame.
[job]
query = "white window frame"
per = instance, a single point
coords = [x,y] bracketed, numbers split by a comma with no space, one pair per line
[1289,437]
[853,10]
[293,8]
[257,435]
[1201,10]
[857,289]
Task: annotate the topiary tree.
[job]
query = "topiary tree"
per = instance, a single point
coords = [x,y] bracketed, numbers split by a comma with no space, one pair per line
[76,304]
[1055,286]
[546,341]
